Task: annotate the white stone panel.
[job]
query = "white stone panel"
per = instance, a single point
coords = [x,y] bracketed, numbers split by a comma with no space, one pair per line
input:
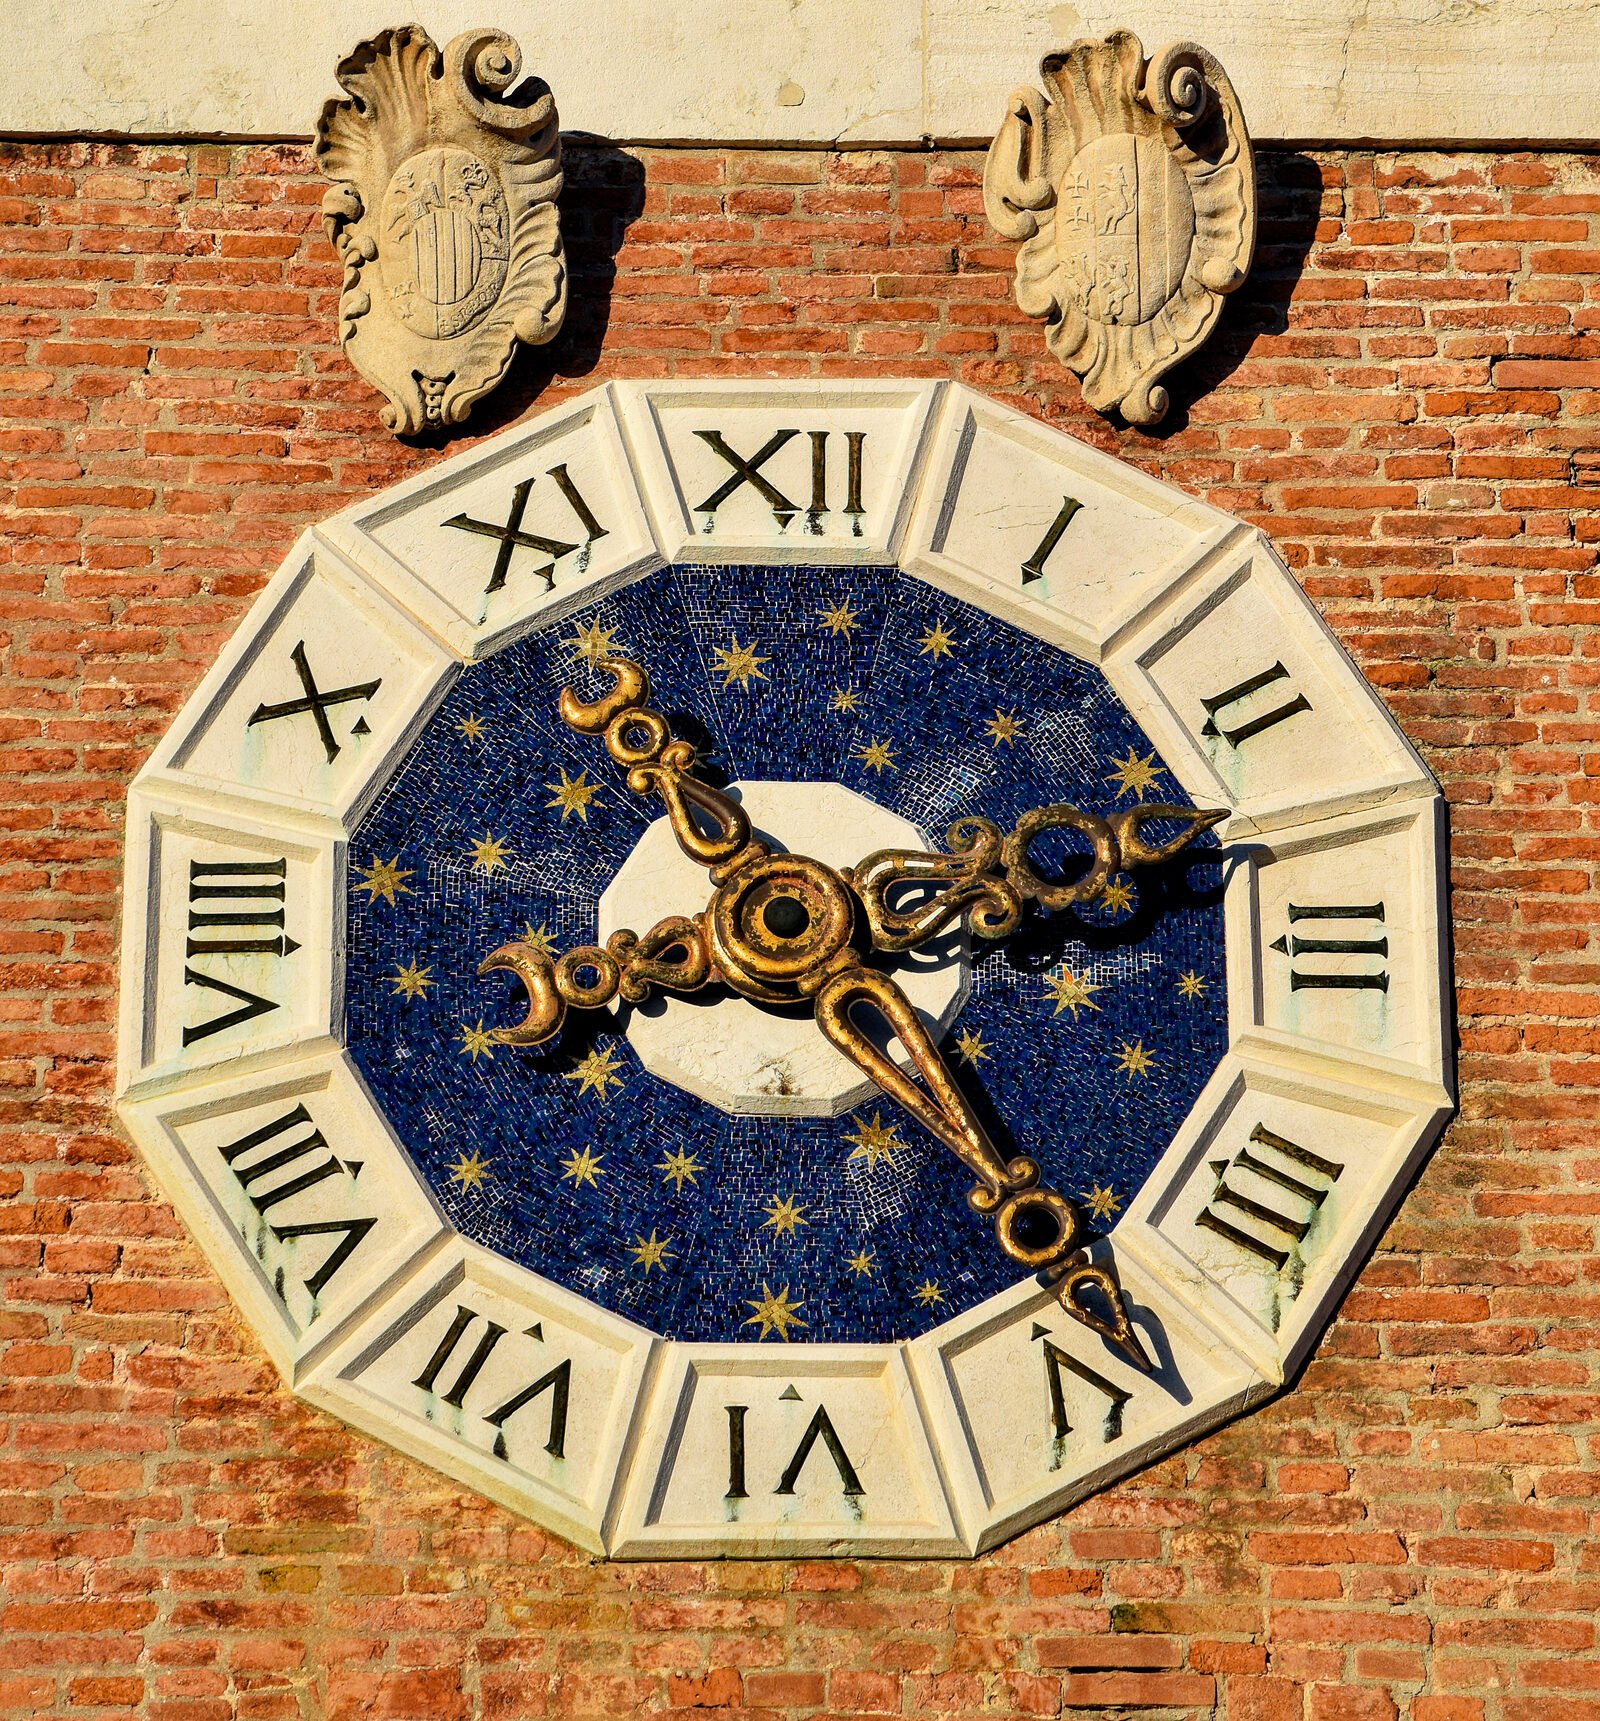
[827,467]
[788,1450]
[727,1049]
[1374,882]
[229,938]
[476,590]
[302,1199]
[321,688]
[1042,530]
[1312,71]
[497,1377]
[1261,1212]
[1254,704]
[1032,1411]
[851,71]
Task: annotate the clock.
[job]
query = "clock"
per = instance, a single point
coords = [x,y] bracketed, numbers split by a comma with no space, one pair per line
[784,968]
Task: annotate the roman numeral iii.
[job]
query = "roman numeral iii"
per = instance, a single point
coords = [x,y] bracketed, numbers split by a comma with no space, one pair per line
[1321,974]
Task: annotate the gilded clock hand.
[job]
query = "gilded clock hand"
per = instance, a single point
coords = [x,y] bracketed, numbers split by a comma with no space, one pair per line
[590,976]
[780,928]
[641,739]
[1037,1227]
[991,876]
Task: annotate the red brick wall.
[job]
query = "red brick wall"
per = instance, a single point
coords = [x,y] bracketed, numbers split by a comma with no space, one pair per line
[1406,395]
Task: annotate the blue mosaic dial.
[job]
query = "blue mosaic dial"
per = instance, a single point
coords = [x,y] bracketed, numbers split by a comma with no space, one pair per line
[1084,1040]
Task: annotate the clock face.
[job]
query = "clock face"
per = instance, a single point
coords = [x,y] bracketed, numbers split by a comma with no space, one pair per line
[686,1171]
[683,1277]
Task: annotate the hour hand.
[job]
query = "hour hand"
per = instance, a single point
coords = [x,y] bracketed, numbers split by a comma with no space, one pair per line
[1040,1230]
[711,827]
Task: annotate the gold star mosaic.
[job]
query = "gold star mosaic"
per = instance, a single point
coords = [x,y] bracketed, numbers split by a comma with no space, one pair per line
[1082,1041]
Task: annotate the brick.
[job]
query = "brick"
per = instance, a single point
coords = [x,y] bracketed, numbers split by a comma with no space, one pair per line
[1112,1650]
[720,1689]
[1406,394]
[1137,1691]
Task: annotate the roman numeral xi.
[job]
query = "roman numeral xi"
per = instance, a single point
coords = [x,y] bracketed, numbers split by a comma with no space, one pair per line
[512,536]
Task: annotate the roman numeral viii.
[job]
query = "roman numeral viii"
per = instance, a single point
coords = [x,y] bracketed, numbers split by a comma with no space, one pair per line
[276,1162]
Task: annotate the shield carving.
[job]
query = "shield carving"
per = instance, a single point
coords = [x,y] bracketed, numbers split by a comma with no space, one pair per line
[443,213]
[1132,187]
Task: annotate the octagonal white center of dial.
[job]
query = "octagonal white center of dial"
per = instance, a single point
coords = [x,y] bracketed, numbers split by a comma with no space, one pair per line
[726,1049]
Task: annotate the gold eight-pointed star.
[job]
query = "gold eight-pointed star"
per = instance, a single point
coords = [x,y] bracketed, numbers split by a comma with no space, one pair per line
[877,756]
[470,1171]
[583,1166]
[783,1214]
[411,980]
[651,1251]
[477,1041]
[1134,775]
[739,663]
[572,794]
[775,1312]
[874,1141]
[596,1071]
[489,854]
[936,642]
[1134,1059]
[1069,991]
[384,878]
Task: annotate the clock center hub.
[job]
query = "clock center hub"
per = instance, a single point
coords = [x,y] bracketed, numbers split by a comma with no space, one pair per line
[786,917]
[777,923]
[780,918]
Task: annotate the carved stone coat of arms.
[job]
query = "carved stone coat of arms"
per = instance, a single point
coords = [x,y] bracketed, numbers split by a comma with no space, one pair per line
[443,213]
[1132,187]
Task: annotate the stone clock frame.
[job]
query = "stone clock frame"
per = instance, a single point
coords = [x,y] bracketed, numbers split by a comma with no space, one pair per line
[1232,1256]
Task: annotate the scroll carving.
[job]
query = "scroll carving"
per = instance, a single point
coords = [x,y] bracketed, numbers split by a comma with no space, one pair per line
[1131,185]
[446,170]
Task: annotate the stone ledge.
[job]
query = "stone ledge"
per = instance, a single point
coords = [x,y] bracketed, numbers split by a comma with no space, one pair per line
[1316,72]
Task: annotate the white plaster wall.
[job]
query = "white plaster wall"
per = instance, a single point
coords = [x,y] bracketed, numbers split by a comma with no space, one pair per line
[815,71]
